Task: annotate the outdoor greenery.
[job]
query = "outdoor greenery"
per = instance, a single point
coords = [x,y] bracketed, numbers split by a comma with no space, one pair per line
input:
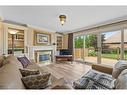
[89,40]
[113,56]
[110,56]
[79,42]
[92,53]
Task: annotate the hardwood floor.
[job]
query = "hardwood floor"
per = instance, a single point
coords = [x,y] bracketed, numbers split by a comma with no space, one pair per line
[70,72]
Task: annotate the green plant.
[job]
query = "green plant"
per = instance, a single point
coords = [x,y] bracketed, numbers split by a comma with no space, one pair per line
[92,53]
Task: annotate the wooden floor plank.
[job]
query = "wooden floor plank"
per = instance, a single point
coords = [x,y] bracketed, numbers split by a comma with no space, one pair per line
[70,72]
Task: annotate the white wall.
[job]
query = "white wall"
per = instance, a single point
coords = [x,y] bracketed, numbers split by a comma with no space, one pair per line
[30,37]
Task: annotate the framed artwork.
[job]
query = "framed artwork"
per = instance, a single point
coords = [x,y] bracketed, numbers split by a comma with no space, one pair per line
[42,38]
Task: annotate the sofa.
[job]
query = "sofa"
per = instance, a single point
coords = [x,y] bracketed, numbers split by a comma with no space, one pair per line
[10,76]
[99,77]
[104,77]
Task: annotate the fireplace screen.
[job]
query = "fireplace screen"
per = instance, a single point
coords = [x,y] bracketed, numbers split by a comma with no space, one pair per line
[43,56]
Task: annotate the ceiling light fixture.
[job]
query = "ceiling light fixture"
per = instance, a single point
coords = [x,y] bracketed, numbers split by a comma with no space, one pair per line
[11,31]
[62,19]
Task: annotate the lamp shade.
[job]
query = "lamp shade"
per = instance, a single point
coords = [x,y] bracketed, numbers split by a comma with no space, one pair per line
[62,19]
[11,31]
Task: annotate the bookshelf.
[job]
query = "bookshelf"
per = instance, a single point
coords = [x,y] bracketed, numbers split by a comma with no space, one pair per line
[59,42]
[18,42]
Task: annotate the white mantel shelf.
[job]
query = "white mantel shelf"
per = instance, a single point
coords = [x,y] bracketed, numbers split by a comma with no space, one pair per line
[32,49]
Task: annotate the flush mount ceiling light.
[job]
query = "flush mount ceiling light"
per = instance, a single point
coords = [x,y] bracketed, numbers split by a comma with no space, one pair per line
[62,19]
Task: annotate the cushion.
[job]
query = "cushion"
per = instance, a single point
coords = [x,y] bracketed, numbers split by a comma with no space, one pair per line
[118,68]
[94,80]
[42,69]
[121,81]
[25,61]
[36,81]
[27,72]
[1,60]
[85,83]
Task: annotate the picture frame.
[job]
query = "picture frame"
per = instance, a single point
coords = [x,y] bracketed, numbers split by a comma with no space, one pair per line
[41,38]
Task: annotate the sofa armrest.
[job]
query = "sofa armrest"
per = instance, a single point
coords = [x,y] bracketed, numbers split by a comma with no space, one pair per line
[102,68]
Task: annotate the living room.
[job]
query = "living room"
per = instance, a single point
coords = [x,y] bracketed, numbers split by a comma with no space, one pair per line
[63,48]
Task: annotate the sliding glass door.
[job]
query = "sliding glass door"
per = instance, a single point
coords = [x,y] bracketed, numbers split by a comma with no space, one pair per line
[90,48]
[125,44]
[86,48]
[78,48]
[103,48]
[111,47]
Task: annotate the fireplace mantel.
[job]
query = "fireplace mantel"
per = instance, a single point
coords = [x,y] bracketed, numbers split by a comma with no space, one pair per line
[32,49]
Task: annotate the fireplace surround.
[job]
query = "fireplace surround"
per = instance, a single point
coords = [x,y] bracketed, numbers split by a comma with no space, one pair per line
[35,51]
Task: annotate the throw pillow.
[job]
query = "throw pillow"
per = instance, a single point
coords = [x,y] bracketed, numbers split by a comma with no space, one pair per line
[36,81]
[121,81]
[118,68]
[25,61]
[27,72]
[2,60]
[94,80]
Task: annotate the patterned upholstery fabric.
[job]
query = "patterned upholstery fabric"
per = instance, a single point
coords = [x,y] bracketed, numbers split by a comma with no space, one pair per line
[27,72]
[36,81]
[121,81]
[1,60]
[24,61]
[94,80]
[118,68]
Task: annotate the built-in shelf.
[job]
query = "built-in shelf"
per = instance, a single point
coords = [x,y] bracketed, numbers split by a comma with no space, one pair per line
[18,42]
[59,42]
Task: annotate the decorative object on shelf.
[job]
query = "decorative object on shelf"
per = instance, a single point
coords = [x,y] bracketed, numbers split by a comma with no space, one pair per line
[62,19]
[12,32]
[42,38]
[53,43]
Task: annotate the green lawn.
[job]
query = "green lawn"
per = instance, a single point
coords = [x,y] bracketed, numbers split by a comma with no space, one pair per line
[111,55]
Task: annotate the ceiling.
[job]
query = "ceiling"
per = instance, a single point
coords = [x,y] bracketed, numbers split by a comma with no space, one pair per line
[47,17]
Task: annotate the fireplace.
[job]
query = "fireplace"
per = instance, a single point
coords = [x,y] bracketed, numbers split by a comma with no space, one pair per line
[43,56]
[35,51]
